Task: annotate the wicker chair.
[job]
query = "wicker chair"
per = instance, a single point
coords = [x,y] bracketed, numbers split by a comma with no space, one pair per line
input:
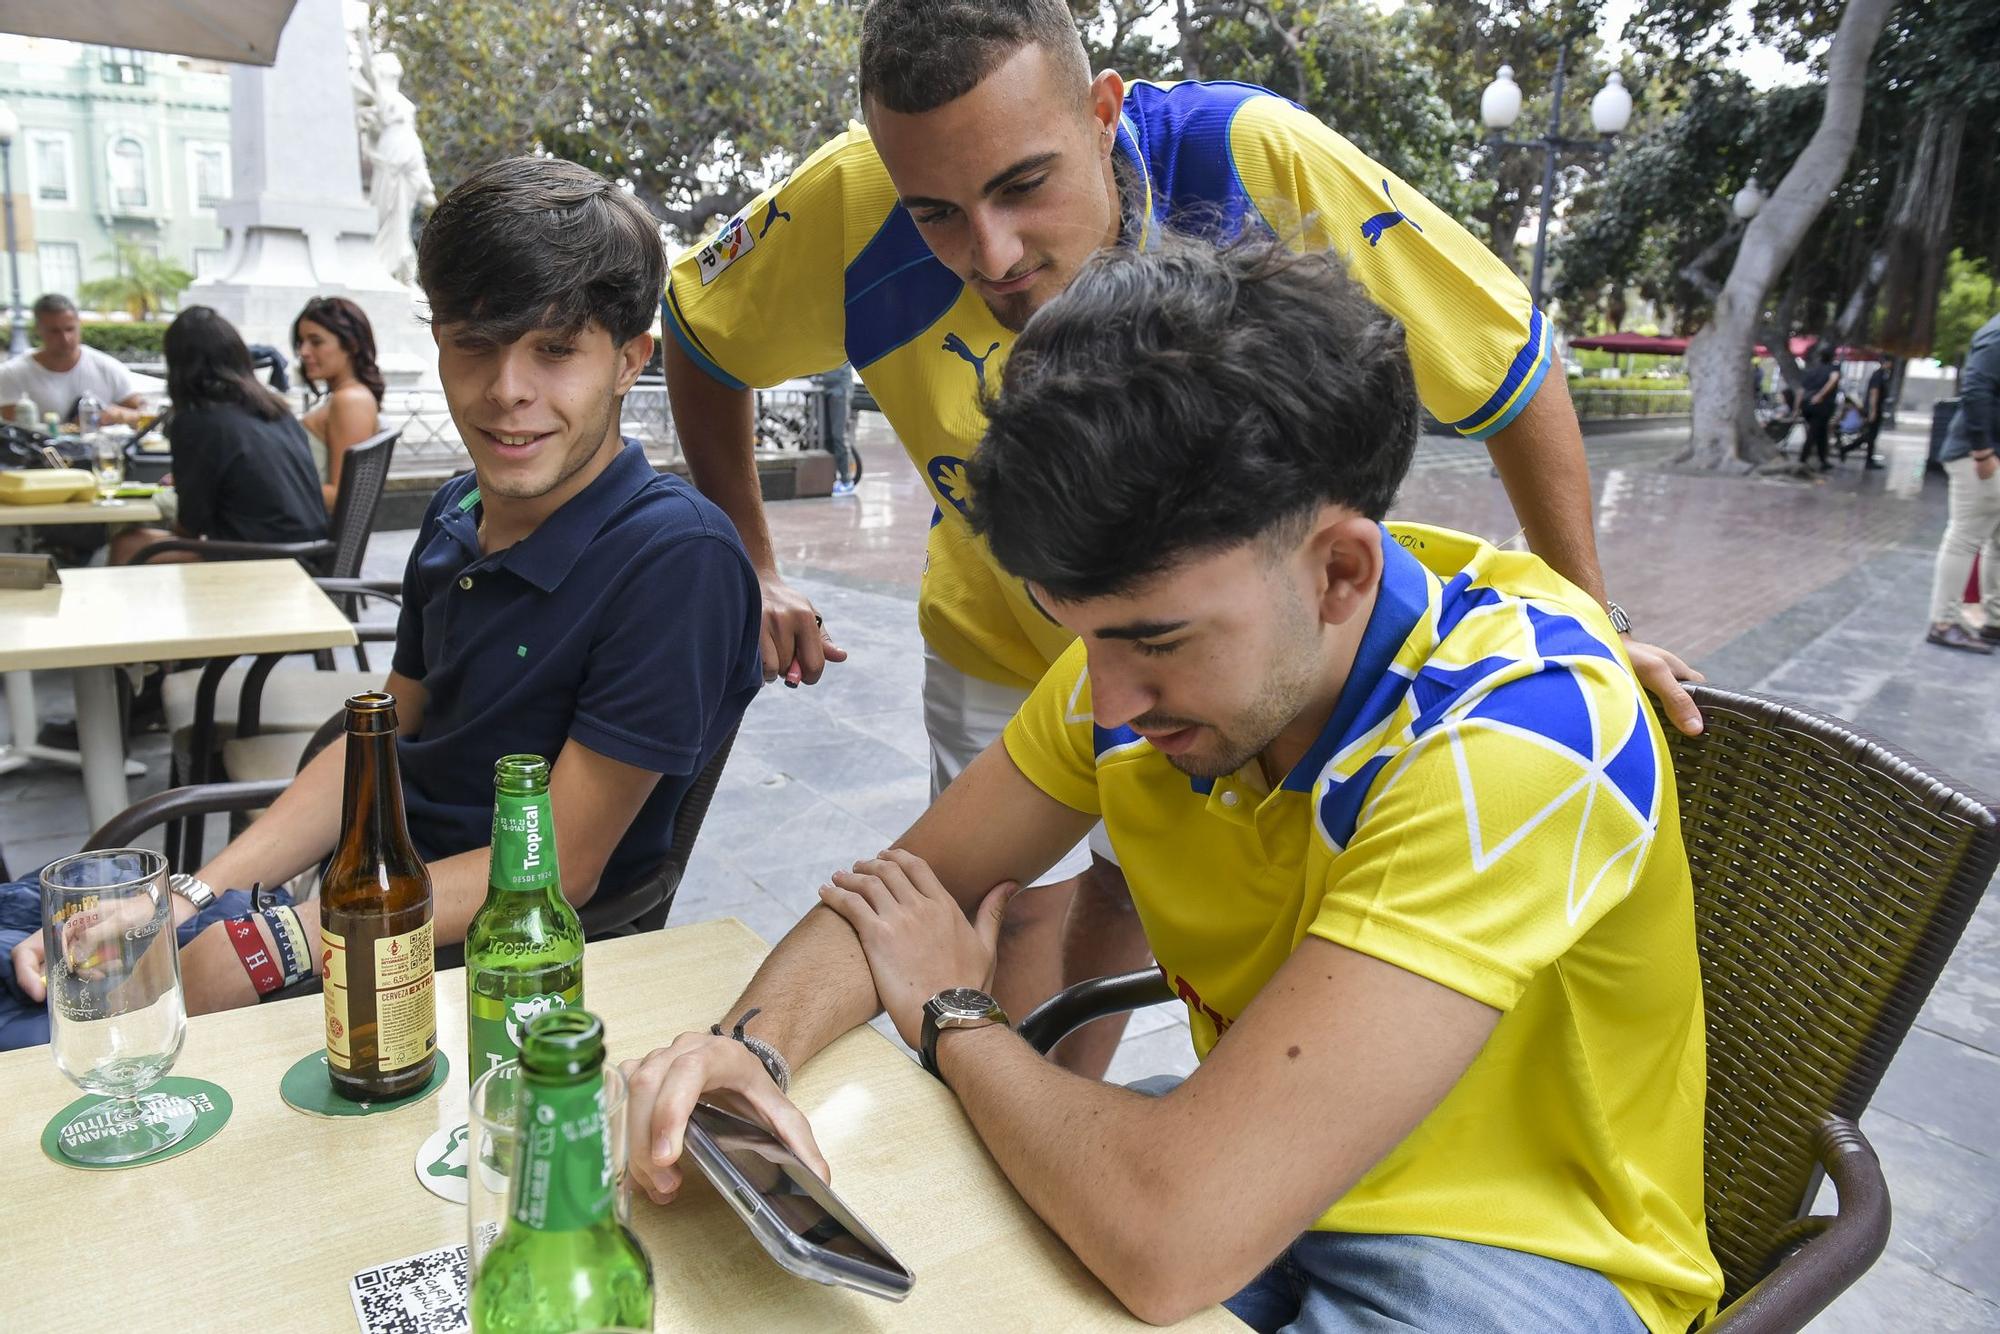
[1832,879]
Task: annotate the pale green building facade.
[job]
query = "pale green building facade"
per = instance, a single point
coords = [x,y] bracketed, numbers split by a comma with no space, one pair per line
[114,144]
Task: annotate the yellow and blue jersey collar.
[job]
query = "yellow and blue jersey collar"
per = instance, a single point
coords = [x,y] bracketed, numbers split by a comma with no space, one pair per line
[1127,144]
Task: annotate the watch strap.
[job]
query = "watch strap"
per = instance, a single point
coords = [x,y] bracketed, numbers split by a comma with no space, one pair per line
[931,1028]
[191,888]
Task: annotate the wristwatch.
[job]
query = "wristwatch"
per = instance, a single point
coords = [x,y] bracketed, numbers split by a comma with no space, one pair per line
[195,891]
[1619,620]
[956,1007]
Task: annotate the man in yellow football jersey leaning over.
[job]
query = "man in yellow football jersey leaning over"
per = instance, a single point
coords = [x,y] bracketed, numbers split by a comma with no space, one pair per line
[1397,818]
[991,166]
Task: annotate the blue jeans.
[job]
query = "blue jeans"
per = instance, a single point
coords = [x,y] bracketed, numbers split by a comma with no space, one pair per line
[1352,1283]
[1358,1283]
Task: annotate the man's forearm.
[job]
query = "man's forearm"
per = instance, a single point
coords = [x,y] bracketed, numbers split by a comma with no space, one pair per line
[1088,1158]
[1542,465]
[297,832]
[717,426]
[812,988]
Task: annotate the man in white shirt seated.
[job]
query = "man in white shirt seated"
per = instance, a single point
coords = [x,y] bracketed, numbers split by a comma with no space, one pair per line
[62,370]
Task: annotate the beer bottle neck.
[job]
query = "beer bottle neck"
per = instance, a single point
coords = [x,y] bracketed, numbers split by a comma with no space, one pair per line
[562,1177]
[371,806]
[523,858]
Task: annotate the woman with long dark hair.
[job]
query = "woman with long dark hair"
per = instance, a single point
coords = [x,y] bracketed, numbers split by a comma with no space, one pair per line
[336,351]
[242,472]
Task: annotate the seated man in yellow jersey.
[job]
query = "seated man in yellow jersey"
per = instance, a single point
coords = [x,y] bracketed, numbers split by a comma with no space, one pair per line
[1399,824]
[992,165]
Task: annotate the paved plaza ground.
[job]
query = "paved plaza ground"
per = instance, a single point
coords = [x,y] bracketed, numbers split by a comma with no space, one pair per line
[1813,591]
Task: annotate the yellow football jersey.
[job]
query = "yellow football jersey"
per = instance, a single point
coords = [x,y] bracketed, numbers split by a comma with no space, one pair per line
[1490,806]
[829,268]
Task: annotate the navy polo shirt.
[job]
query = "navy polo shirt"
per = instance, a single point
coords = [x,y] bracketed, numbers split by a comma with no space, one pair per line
[628,621]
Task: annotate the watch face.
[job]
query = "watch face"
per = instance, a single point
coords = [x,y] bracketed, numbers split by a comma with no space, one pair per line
[964,1002]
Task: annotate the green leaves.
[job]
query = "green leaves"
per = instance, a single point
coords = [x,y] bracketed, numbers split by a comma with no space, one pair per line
[694,104]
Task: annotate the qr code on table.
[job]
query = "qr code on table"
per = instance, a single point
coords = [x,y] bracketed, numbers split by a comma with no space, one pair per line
[423,1294]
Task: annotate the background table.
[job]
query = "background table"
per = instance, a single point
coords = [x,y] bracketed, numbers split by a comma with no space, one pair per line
[101,617]
[15,520]
[263,1227]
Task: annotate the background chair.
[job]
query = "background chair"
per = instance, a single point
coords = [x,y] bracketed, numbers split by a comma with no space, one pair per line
[1832,878]
[202,703]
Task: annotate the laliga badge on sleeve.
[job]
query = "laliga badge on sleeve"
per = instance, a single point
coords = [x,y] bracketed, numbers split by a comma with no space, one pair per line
[730,245]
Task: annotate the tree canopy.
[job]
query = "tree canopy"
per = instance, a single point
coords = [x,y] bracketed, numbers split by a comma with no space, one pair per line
[693,104]
[697,104]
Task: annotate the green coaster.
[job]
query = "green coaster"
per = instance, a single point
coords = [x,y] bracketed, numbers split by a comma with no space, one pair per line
[170,1100]
[308,1088]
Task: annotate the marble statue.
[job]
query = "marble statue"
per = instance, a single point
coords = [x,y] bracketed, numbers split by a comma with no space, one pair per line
[399,177]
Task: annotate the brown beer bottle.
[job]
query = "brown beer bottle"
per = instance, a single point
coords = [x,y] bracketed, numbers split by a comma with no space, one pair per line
[375,924]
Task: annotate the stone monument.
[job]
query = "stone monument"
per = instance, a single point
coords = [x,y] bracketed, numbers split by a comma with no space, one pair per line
[298,223]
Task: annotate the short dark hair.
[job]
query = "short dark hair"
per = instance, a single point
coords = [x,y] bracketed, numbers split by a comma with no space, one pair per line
[1185,399]
[53,303]
[917,55]
[531,243]
[208,366]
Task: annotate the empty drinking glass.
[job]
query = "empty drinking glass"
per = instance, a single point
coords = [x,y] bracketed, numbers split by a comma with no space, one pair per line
[107,465]
[116,1015]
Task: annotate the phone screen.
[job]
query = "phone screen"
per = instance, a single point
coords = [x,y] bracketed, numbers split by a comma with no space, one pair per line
[800,1200]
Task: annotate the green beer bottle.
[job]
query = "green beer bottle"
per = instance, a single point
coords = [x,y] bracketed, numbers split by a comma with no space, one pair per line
[563,1261]
[524,947]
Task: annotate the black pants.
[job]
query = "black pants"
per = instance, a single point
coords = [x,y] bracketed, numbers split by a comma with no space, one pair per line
[1865,438]
[1816,427]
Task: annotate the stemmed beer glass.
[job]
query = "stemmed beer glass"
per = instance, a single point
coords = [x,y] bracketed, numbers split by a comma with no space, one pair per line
[116,1014]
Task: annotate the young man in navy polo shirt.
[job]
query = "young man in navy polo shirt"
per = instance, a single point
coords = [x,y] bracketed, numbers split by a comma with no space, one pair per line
[564,600]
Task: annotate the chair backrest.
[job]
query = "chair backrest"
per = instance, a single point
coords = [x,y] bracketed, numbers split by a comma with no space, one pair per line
[646,905]
[364,470]
[1832,877]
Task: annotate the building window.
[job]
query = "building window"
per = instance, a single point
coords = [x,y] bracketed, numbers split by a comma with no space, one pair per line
[62,267]
[206,264]
[208,174]
[122,64]
[48,164]
[128,175]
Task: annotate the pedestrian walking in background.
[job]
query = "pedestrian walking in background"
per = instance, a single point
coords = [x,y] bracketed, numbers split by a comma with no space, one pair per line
[1820,388]
[1973,469]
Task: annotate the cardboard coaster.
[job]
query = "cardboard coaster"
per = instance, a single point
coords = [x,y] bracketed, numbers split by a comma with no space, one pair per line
[210,1104]
[308,1088]
[441,1163]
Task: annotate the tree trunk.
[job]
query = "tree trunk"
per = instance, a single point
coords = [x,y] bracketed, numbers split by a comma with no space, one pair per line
[1719,358]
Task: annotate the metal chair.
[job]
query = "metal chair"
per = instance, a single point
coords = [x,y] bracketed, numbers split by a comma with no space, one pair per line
[203,705]
[1832,878]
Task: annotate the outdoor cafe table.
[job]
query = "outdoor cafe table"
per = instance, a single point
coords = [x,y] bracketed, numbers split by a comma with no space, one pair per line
[263,1227]
[15,520]
[100,617]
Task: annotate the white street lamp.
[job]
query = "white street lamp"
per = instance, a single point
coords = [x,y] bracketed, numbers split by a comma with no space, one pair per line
[1611,109]
[1500,104]
[1500,107]
[1748,200]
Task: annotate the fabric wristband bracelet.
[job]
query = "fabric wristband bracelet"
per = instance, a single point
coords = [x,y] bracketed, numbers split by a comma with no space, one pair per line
[290,938]
[256,959]
[773,1061]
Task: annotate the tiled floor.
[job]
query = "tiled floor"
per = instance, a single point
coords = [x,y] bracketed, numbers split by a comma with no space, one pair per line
[1812,590]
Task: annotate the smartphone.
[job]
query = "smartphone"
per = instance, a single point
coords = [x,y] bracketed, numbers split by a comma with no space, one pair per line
[797,1219]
